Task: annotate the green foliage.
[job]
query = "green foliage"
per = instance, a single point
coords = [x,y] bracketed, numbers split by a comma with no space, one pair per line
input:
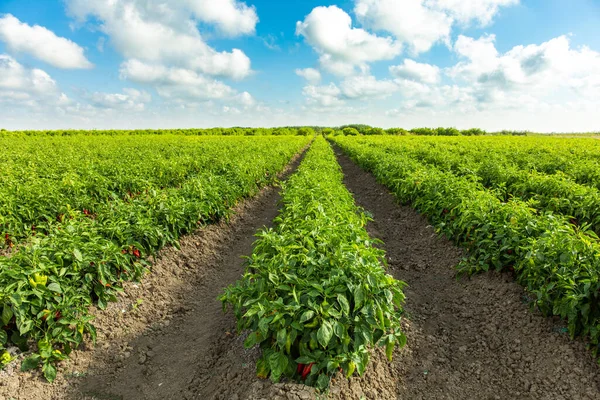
[396,131]
[83,214]
[473,132]
[558,262]
[375,131]
[361,128]
[315,295]
[306,131]
[350,132]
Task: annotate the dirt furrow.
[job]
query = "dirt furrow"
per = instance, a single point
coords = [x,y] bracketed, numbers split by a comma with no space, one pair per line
[468,338]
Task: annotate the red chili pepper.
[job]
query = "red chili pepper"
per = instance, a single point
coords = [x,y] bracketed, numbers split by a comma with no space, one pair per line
[136,253]
[300,368]
[57,315]
[306,370]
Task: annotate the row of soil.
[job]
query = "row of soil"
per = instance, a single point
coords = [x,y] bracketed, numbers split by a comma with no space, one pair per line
[167,338]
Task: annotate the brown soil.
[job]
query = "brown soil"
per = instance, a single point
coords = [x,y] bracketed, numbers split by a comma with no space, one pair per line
[468,338]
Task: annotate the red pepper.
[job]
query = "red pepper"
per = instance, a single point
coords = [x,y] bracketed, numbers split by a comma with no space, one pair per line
[306,370]
[300,368]
[136,253]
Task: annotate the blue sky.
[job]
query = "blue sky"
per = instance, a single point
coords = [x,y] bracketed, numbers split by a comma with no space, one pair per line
[496,64]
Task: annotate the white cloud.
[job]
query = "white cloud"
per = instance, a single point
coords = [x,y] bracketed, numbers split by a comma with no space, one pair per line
[410,21]
[366,86]
[31,87]
[42,44]
[483,11]
[233,18]
[176,83]
[551,72]
[329,30]
[422,23]
[323,96]
[166,32]
[312,76]
[415,71]
[129,100]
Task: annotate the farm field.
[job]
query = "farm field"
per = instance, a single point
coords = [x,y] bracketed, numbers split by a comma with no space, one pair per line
[350,285]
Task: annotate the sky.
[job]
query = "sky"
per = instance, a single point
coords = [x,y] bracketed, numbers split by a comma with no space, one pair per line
[124,64]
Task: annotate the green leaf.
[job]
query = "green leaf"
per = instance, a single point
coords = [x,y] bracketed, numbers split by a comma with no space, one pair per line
[250,340]
[359,298]
[281,337]
[344,304]
[54,287]
[78,255]
[7,314]
[49,371]
[324,333]
[3,337]
[306,316]
[305,360]
[278,363]
[25,326]
[30,362]
[323,381]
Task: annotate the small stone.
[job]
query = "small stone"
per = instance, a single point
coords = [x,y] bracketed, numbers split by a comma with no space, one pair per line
[462,349]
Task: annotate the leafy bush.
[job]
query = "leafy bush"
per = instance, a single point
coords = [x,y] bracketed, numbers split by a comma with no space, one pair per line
[315,295]
[396,131]
[350,132]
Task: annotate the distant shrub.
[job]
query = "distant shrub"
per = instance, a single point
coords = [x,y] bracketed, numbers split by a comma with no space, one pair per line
[396,131]
[473,132]
[350,131]
[375,131]
[305,131]
[423,131]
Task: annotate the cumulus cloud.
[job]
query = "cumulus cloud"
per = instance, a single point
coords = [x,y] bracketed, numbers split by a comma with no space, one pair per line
[359,87]
[323,96]
[552,70]
[312,76]
[129,100]
[175,83]
[24,86]
[233,18]
[422,23]
[42,44]
[329,31]
[366,86]
[167,32]
[415,71]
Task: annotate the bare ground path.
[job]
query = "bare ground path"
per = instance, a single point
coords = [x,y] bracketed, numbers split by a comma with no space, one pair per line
[468,338]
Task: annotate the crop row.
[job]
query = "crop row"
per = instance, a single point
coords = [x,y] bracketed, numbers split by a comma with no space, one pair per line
[42,179]
[495,170]
[315,295]
[49,282]
[576,159]
[558,262]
